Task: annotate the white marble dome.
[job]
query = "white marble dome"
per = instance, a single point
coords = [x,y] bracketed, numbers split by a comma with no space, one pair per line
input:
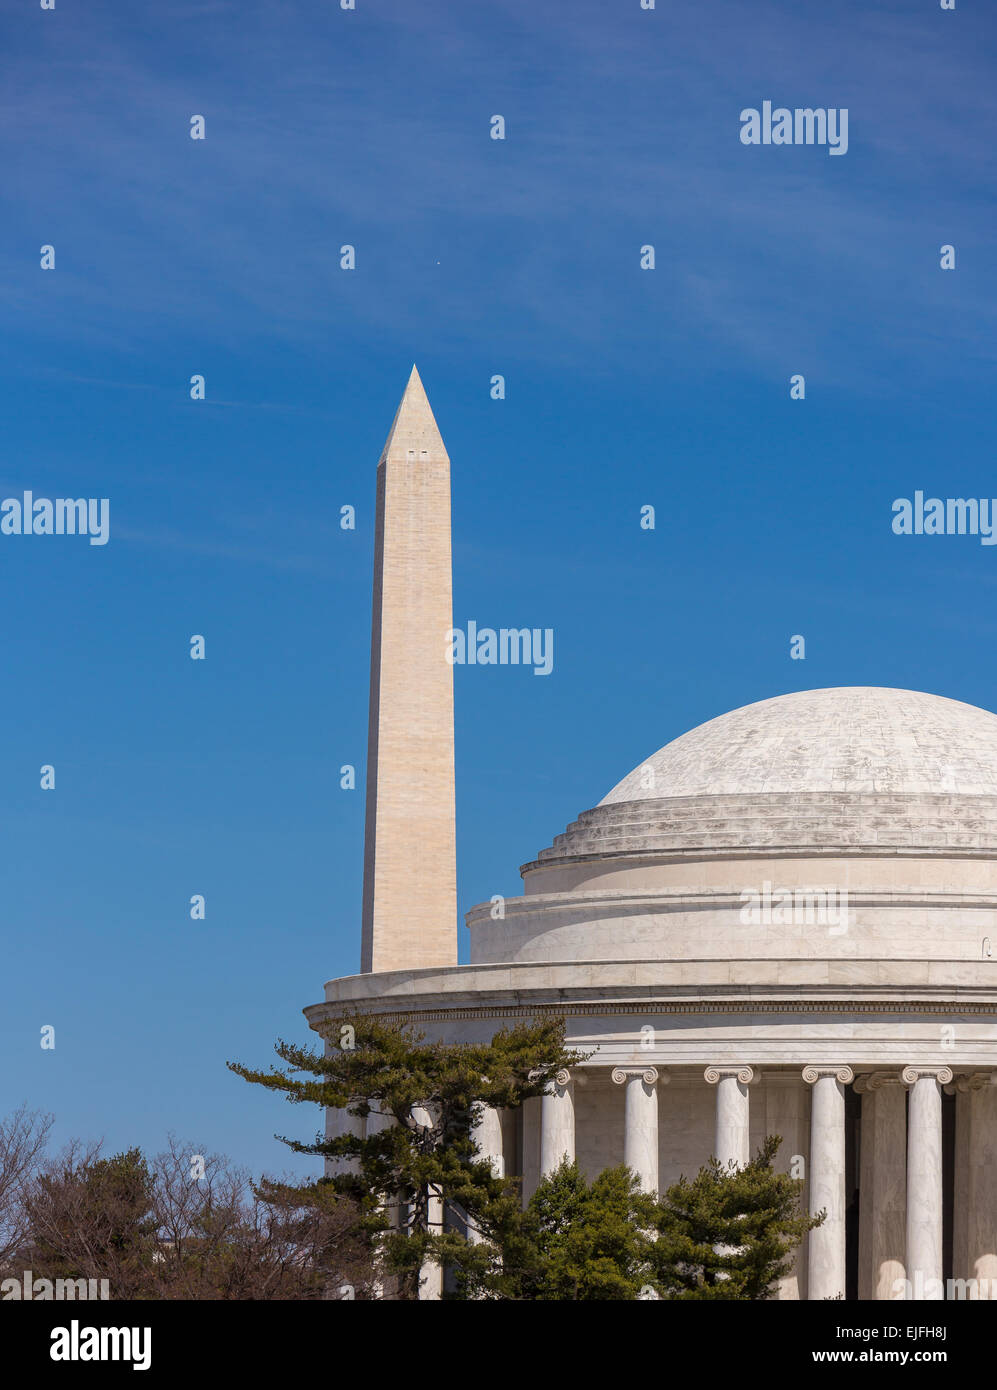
[843,739]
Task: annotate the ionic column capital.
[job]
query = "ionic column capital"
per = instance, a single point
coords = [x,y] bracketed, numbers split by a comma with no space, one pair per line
[557,1123]
[746,1075]
[876,1081]
[911,1075]
[971,1081]
[844,1074]
[650,1075]
[561,1078]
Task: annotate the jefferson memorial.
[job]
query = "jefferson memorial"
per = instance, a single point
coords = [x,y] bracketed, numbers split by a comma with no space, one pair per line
[782,922]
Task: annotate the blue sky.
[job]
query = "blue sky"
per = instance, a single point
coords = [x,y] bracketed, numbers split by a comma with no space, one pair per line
[624,387]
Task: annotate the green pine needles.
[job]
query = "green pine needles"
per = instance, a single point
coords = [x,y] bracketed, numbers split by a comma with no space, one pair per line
[424,1195]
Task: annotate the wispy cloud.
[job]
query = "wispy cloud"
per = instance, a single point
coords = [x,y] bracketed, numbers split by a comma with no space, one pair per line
[620,129]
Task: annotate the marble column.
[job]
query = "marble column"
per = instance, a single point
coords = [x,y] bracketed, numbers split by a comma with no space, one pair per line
[640,1123]
[924,1181]
[974,1236]
[431,1278]
[384,1288]
[982,1223]
[787,1112]
[732,1142]
[557,1124]
[962,1088]
[882,1186]
[339,1123]
[826,1258]
[530,1133]
[487,1134]
[376,1122]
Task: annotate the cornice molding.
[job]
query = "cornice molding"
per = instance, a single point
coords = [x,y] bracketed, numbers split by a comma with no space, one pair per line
[944,1007]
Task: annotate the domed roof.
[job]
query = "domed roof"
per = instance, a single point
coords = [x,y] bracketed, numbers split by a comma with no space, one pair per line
[844,739]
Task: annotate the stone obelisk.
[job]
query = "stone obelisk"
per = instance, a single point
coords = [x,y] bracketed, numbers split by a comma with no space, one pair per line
[410,858]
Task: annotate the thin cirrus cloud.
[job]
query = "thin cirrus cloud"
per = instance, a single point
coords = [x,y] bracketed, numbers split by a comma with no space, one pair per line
[618,133]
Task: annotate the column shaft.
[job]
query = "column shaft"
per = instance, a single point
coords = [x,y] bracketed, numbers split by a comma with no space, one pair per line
[487,1134]
[531,1121]
[980,1263]
[640,1124]
[787,1112]
[882,1188]
[376,1122]
[431,1274]
[339,1123]
[557,1125]
[826,1260]
[431,1280]
[924,1183]
[732,1139]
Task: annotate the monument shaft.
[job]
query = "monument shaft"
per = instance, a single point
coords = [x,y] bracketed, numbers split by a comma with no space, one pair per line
[410,875]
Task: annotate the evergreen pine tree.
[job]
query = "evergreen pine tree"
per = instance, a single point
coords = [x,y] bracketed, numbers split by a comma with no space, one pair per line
[390,1070]
[586,1241]
[730,1233]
